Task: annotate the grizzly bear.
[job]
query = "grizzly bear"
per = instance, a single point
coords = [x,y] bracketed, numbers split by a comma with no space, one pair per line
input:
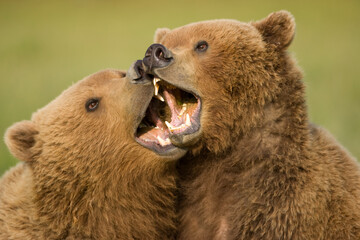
[83,174]
[256,167]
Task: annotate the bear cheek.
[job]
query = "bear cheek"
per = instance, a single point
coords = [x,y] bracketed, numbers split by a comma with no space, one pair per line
[181,73]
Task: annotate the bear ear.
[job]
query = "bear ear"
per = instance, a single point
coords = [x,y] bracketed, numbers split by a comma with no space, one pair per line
[278,28]
[20,139]
[160,34]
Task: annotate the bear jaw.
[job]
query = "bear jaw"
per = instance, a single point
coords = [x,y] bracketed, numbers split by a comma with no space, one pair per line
[181,120]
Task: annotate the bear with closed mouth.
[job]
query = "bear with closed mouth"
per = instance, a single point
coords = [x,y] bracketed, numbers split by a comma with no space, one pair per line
[256,168]
[83,175]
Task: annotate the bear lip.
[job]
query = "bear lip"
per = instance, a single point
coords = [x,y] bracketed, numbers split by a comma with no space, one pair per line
[180,116]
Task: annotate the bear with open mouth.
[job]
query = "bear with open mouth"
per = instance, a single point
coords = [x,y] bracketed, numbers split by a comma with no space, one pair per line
[256,168]
[83,175]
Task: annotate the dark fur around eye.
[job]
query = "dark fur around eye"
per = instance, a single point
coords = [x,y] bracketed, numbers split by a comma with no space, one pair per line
[92,104]
[201,46]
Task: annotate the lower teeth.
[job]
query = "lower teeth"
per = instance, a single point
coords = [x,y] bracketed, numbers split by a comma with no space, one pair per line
[163,142]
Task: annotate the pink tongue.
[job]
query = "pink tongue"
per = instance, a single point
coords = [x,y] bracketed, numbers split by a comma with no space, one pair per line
[176,120]
[161,129]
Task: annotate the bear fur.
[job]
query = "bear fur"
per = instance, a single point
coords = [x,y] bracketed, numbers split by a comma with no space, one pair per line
[258,169]
[82,175]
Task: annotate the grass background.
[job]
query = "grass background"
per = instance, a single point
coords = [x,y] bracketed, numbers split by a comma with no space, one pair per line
[47,45]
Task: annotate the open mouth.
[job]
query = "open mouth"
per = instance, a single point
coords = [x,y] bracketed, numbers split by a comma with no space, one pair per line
[172,111]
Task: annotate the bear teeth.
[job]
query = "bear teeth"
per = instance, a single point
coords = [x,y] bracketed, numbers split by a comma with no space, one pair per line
[181,127]
[187,121]
[182,110]
[156,85]
[169,125]
[158,96]
[163,142]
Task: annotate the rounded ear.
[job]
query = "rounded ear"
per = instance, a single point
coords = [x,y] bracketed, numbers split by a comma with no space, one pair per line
[20,139]
[278,28]
[160,34]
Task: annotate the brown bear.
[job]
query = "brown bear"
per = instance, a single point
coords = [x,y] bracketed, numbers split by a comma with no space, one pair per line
[83,175]
[256,167]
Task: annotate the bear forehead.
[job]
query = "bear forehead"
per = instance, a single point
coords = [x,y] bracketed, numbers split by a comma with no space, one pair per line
[100,78]
[212,30]
[103,82]
[107,83]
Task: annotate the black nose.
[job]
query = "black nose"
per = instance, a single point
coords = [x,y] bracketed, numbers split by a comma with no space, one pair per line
[157,56]
[137,74]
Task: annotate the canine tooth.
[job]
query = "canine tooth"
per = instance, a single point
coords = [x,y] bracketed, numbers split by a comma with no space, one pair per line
[169,125]
[155,81]
[156,89]
[158,96]
[183,109]
[187,121]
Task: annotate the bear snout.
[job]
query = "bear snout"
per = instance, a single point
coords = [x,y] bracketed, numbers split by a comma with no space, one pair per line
[157,56]
[137,73]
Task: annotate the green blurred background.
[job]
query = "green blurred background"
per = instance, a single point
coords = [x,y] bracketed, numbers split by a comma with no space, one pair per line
[45,46]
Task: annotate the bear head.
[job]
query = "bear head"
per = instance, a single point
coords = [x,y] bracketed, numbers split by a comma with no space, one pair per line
[95,118]
[86,137]
[89,175]
[218,77]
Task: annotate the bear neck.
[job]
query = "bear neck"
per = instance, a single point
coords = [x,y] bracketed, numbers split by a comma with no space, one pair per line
[136,203]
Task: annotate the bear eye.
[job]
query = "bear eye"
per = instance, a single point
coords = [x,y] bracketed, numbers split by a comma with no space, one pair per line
[201,46]
[92,104]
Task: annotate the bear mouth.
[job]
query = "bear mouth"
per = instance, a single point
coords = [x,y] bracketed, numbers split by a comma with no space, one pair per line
[172,111]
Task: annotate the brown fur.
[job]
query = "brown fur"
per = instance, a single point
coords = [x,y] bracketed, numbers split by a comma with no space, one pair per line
[83,176]
[259,170]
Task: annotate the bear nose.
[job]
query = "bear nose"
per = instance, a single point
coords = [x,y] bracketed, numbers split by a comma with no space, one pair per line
[137,74]
[157,56]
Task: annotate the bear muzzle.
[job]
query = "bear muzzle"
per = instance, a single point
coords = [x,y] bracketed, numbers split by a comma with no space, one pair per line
[137,74]
[157,56]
